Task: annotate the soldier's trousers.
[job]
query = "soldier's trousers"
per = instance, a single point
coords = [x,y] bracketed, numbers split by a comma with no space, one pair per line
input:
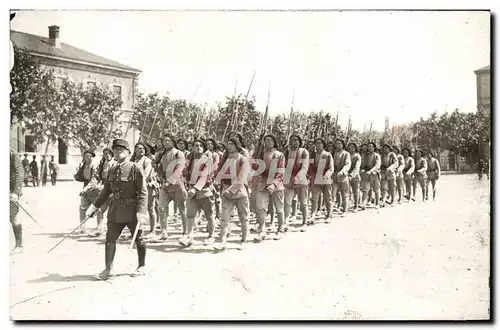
[16,225]
[193,207]
[164,199]
[262,199]
[53,178]
[301,192]
[243,207]
[84,205]
[316,191]
[112,235]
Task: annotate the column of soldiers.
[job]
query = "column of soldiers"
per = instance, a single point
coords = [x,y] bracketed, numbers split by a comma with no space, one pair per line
[216,181]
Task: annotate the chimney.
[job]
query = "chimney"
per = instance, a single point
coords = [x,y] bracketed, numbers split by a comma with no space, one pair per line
[54,36]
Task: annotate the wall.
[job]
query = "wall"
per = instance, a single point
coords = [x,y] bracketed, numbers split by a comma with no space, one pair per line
[483,80]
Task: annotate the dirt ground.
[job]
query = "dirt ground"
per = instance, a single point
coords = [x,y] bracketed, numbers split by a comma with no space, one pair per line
[411,262]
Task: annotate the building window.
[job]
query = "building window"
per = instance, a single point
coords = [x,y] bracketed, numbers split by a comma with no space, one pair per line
[117,90]
[91,84]
[29,143]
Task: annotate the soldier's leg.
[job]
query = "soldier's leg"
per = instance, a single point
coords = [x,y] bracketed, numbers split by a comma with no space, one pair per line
[262,203]
[427,181]
[227,209]
[152,210]
[409,187]
[181,206]
[277,199]
[302,193]
[175,208]
[163,201]
[399,187]
[376,188]
[191,211]
[344,193]
[207,206]
[433,183]
[141,247]
[113,233]
[355,192]
[392,188]
[26,175]
[365,189]
[84,205]
[315,197]
[289,194]
[243,208]
[294,207]
[384,187]
[423,185]
[334,190]
[327,192]
[16,227]
[217,203]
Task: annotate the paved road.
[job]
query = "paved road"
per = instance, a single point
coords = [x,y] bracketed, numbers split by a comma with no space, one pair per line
[414,261]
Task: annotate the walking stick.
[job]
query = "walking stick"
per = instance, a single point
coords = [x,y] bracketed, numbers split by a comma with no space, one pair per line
[68,235]
[134,237]
[29,215]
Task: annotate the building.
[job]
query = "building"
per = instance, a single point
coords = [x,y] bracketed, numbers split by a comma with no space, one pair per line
[483,80]
[483,83]
[83,68]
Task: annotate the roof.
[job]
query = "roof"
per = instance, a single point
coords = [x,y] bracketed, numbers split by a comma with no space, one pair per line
[485,69]
[41,45]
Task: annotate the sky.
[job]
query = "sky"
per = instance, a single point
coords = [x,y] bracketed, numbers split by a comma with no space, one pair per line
[366,64]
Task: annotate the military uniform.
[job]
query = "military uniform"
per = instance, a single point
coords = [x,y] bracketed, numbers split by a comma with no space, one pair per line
[433,173]
[296,183]
[420,176]
[388,167]
[26,166]
[409,168]
[126,185]
[340,178]
[53,171]
[320,173]
[354,178]
[370,176]
[399,176]
[16,183]
[275,166]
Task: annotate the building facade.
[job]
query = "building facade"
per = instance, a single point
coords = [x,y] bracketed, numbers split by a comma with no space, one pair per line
[483,82]
[83,68]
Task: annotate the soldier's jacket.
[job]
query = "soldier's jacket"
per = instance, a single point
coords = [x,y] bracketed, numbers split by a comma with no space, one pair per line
[341,162]
[16,175]
[401,165]
[323,160]
[277,160]
[371,162]
[355,165]
[433,166]
[199,180]
[172,164]
[127,184]
[409,164]
[421,165]
[234,183]
[389,162]
[296,173]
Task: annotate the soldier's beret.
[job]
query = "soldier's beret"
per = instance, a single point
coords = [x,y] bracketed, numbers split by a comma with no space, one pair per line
[120,143]
[320,140]
[89,152]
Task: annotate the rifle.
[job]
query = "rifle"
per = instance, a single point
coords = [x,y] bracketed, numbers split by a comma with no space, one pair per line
[246,102]
[289,131]
[234,104]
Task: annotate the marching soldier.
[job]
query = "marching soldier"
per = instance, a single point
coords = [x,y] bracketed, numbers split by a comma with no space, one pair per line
[399,172]
[85,174]
[354,178]
[213,147]
[236,135]
[232,176]
[433,174]
[53,169]
[16,183]
[388,167]
[34,172]
[341,167]
[170,171]
[198,175]
[26,166]
[370,178]
[420,174]
[296,182]
[141,158]
[126,185]
[269,186]
[409,168]
[320,173]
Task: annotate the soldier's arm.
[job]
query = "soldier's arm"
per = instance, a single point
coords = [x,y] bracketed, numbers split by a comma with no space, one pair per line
[394,162]
[438,168]
[347,165]
[329,169]
[178,168]
[16,167]
[142,191]
[280,169]
[401,163]
[424,168]
[148,168]
[378,162]
[103,195]
[412,166]
[357,166]
[205,169]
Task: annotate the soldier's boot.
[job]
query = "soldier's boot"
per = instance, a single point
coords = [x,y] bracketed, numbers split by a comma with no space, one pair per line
[109,256]
[223,244]
[18,235]
[141,257]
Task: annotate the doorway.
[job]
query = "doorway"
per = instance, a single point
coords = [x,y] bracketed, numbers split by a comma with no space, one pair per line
[63,151]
